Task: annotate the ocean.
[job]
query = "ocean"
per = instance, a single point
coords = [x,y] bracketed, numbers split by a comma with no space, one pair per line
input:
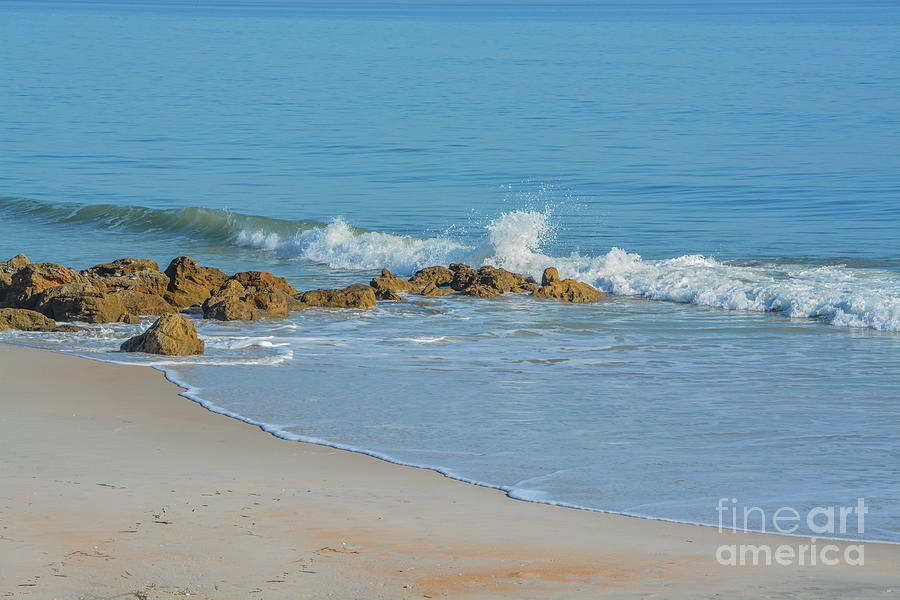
[729,172]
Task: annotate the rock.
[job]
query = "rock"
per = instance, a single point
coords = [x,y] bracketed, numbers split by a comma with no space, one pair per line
[528,286]
[439,276]
[15,263]
[234,302]
[463,276]
[80,302]
[170,335]
[69,328]
[231,287]
[274,302]
[146,282]
[432,290]
[386,294]
[480,291]
[24,319]
[551,275]
[229,308]
[263,280]
[121,266]
[139,303]
[567,290]
[354,296]
[501,280]
[388,281]
[191,284]
[32,279]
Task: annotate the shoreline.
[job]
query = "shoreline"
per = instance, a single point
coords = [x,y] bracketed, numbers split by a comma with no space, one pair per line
[370,515]
[265,428]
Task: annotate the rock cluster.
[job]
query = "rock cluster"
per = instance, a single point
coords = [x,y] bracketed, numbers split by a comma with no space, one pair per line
[35,295]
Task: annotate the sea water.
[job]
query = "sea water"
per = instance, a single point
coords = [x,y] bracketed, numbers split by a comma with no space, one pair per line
[728,172]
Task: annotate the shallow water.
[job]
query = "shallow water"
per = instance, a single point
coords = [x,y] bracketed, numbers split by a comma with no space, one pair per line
[728,172]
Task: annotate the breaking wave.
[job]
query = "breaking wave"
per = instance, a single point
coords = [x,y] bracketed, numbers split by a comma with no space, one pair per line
[837,294]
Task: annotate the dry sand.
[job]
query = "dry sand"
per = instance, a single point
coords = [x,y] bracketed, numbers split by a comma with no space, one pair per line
[113,486]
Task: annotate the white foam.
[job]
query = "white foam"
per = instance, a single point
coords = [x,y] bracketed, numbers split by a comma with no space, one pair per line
[841,296]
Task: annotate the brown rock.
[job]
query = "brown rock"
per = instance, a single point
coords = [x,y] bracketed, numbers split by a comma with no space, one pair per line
[480,291]
[15,263]
[386,294]
[439,276]
[388,281]
[231,287]
[170,335]
[229,308]
[138,303]
[146,282]
[24,319]
[464,276]
[121,266]
[354,296]
[234,302]
[275,302]
[567,290]
[528,286]
[80,302]
[34,278]
[432,290]
[499,279]
[551,275]
[263,280]
[68,328]
[191,284]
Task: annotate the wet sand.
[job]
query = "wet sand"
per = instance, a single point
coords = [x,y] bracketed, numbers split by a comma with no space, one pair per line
[114,486]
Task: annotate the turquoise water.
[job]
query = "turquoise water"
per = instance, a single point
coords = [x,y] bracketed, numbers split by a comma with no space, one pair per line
[729,172]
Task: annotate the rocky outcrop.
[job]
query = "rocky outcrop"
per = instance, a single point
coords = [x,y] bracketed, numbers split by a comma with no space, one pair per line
[229,308]
[139,303]
[486,282]
[236,302]
[7,268]
[567,290]
[354,296]
[170,335]
[387,281]
[439,276]
[24,319]
[261,280]
[120,267]
[189,283]
[32,279]
[433,290]
[81,302]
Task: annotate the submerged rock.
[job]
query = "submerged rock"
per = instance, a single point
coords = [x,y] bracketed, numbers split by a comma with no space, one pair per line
[354,296]
[567,290]
[189,283]
[170,335]
[25,320]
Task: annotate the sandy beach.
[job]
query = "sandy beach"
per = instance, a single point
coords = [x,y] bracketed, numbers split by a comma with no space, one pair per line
[114,486]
